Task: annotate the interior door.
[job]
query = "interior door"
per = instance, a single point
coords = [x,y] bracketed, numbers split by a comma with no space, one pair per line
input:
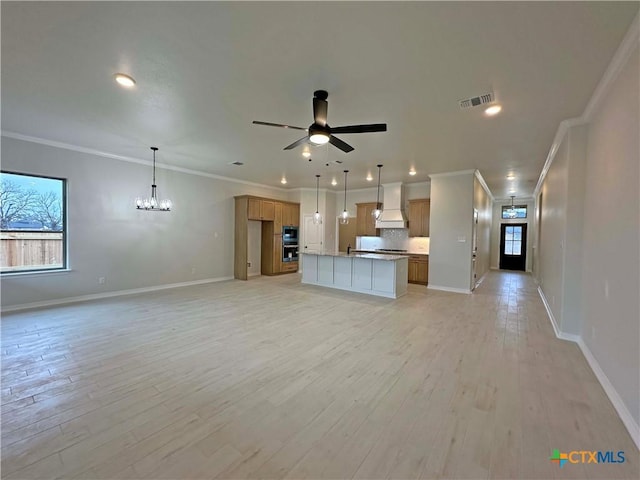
[513,246]
[312,235]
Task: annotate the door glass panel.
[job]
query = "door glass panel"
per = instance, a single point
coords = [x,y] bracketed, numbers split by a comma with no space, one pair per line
[508,248]
[509,234]
[517,247]
[517,233]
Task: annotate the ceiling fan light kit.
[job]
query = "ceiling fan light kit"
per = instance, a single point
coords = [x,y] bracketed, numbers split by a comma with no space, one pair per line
[319,132]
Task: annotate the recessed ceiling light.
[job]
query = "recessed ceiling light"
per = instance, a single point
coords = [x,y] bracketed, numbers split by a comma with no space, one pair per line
[513,190]
[511,176]
[412,172]
[493,110]
[306,153]
[125,80]
[283,181]
[333,182]
[369,177]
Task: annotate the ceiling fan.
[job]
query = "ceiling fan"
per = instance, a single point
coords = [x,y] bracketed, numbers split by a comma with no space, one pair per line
[319,132]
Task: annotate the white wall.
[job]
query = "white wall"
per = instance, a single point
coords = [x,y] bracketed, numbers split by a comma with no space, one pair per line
[611,229]
[450,231]
[495,230]
[588,264]
[109,238]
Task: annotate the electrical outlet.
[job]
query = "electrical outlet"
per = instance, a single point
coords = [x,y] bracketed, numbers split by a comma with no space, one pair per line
[102,280]
[193,271]
[593,333]
[606,289]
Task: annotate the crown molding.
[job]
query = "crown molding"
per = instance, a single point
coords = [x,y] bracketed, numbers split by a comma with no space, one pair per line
[451,174]
[484,184]
[627,47]
[122,158]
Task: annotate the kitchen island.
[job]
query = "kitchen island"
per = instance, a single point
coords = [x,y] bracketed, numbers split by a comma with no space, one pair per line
[370,273]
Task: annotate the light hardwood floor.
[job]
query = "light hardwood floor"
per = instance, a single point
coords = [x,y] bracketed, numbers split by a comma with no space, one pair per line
[273,379]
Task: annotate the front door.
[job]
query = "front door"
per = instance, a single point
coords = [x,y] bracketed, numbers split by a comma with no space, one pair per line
[513,246]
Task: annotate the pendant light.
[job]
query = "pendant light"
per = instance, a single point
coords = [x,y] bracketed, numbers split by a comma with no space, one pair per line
[511,213]
[378,211]
[317,218]
[344,216]
[152,203]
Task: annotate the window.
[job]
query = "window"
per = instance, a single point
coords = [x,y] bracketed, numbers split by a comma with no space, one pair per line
[33,223]
[519,211]
[513,240]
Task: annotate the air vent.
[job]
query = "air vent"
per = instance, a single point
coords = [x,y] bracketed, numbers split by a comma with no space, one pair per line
[475,101]
[236,163]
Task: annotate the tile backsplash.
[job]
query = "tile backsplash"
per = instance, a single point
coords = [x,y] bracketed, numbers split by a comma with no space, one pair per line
[396,238]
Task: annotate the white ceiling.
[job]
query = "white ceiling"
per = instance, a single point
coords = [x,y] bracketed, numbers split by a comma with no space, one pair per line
[205,70]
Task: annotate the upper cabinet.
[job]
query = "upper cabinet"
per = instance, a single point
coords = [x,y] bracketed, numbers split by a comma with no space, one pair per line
[290,214]
[419,217]
[261,209]
[365,223]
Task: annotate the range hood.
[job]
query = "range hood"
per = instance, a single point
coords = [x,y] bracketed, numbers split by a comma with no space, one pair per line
[393,203]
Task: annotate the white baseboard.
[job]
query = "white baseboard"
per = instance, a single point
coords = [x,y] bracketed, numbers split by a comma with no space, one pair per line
[256,274]
[622,410]
[554,324]
[448,289]
[117,293]
[612,393]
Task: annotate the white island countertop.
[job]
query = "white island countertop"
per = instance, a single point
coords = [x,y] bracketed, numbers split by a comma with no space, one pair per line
[375,256]
[371,273]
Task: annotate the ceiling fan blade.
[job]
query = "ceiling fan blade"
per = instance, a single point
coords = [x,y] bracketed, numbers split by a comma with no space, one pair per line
[320,111]
[336,142]
[374,127]
[296,143]
[268,124]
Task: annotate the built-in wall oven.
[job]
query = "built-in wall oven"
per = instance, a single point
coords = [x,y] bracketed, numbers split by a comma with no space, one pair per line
[289,244]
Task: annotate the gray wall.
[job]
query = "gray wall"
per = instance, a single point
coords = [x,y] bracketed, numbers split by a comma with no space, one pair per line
[109,238]
[450,230]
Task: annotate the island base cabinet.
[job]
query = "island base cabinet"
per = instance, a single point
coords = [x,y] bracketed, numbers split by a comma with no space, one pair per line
[373,276]
[362,272]
[342,272]
[325,270]
[310,269]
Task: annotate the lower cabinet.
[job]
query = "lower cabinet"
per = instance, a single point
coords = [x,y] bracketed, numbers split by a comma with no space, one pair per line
[271,253]
[419,269]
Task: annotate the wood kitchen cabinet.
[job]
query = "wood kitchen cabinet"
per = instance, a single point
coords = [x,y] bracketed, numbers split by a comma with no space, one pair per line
[419,269]
[365,223]
[278,210]
[290,214]
[419,211]
[259,209]
[274,215]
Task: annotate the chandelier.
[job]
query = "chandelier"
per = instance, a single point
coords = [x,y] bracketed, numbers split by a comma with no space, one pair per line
[152,203]
[511,212]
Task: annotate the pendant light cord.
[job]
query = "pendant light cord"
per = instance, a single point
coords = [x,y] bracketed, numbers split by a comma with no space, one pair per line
[317,191]
[345,189]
